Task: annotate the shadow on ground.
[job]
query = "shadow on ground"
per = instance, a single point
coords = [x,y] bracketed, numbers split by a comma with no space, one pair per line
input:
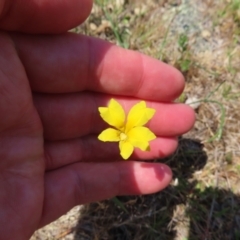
[182,211]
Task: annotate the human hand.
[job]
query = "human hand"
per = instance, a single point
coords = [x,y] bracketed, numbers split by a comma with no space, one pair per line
[50,89]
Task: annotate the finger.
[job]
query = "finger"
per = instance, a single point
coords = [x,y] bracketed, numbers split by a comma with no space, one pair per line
[72,63]
[84,182]
[74,115]
[43,16]
[90,149]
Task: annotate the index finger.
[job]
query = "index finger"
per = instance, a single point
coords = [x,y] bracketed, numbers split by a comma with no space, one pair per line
[74,63]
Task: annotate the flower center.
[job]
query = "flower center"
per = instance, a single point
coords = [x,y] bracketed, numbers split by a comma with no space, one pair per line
[123,136]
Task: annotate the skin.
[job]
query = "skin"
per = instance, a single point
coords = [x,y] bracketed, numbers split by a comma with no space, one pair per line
[50,89]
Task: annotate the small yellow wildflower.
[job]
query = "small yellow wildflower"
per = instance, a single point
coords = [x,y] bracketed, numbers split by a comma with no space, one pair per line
[129,133]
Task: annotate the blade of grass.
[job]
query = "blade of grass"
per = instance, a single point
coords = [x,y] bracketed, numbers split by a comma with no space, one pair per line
[118,203]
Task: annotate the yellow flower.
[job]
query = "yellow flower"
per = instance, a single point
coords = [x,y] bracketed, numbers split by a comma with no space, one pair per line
[129,133]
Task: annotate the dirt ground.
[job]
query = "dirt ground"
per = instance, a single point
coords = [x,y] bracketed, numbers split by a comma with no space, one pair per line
[202,39]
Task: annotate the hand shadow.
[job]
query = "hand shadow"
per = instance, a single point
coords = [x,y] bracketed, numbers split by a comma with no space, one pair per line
[181,211]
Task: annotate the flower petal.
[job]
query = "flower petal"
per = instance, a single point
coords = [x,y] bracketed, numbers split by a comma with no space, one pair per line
[139,115]
[143,145]
[114,114]
[126,149]
[140,137]
[109,135]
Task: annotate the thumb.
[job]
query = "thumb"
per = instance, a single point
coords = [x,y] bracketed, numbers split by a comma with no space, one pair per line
[43,16]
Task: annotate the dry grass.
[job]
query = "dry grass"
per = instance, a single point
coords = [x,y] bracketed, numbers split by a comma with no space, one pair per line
[202,39]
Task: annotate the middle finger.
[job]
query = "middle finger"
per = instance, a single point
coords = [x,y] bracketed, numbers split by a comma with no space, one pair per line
[67,116]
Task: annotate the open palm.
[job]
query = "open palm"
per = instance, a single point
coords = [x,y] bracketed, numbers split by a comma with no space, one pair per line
[51,86]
